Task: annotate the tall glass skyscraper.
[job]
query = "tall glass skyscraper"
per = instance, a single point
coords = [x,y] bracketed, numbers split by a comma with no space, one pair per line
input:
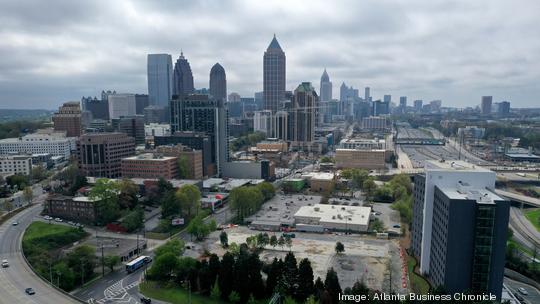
[218,82]
[159,73]
[326,87]
[182,77]
[273,76]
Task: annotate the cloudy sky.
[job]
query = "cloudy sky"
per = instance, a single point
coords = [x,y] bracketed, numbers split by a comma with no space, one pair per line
[55,51]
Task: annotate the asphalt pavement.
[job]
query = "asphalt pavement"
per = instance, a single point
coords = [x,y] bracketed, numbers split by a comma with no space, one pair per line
[18,276]
[533,294]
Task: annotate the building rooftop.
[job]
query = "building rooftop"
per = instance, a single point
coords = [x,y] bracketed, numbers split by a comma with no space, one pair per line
[336,214]
[149,156]
[464,192]
[453,165]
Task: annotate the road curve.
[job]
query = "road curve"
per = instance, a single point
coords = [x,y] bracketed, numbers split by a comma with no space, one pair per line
[18,276]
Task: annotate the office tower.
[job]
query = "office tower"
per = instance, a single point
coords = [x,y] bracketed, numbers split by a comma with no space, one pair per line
[218,83]
[459,227]
[193,157]
[435,105]
[282,125]
[259,100]
[418,105]
[199,113]
[273,76]
[100,154]
[194,140]
[387,98]
[303,114]
[141,101]
[155,114]
[381,107]
[504,108]
[99,108]
[133,126]
[262,122]
[486,105]
[326,87]
[343,92]
[68,119]
[182,77]
[234,97]
[122,105]
[160,79]
[105,94]
[367,96]
[403,102]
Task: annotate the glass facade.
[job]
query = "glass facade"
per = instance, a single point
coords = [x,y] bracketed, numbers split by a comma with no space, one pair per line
[485,219]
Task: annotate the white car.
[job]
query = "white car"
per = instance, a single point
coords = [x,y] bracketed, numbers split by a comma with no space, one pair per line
[47,217]
[58,219]
[5,263]
[523,291]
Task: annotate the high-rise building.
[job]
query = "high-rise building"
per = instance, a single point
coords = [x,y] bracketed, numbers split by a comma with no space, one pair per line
[303,114]
[133,126]
[194,140]
[326,87]
[503,109]
[122,105]
[218,83]
[459,227]
[100,154]
[182,77]
[486,105]
[262,122]
[155,114]
[403,102]
[381,107]
[273,76]
[367,96]
[98,107]
[418,105]
[194,159]
[234,97]
[68,118]
[141,102]
[160,79]
[387,98]
[199,113]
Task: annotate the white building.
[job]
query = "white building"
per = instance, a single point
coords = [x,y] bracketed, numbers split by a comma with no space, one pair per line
[439,174]
[262,121]
[334,217]
[16,164]
[54,143]
[155,129]
[375,123]
[122,105]
[362,144]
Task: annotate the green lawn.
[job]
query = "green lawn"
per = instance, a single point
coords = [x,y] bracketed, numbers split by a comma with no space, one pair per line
[173,295]
[534,217]
[520,247]
[418,284]
[41,229]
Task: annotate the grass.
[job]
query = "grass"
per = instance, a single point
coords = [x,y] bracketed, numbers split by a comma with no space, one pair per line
[534,217]
[41,229]
[418,283]
[175,295]
[520,247]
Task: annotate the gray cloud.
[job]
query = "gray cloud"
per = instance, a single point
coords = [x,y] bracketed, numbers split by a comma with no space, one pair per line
[53,51]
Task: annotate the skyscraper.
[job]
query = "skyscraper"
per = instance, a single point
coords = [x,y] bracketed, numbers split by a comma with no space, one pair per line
[68,118]
[303,114]
[160,79]
[459,227]
[122,105]
[403,102]
[218,82]
[486,104]
[182,77]
[199,113]
[326,87]
[418,105]
[273,76]
[367,96]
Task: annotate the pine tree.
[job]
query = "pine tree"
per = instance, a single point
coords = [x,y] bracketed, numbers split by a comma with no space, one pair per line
[331,285]
[305,280]
[290,274]
[225,278]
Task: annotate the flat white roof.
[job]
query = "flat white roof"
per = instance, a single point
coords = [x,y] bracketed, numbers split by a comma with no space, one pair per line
[336,213]
[149,156]
[479,195]
[453,165]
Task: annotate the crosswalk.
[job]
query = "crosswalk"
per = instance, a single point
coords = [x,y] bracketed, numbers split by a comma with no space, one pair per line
[117,293]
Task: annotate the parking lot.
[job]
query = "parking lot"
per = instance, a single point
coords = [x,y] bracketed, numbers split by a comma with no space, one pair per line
[280,210]
[365,258]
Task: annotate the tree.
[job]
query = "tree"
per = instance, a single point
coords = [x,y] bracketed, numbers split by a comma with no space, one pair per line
[183,167]
[331,285]
[171,204]
[111,261]
[225,277]
[369,188]
[164,266]
[190,199]
[274,274]
[214,266]
[281,241]
[105,192]
[18,181]
[288,241]
[326,159]
[224,239]
[134,220]
[82,260]
[174,246]
[340,247]
[273,241]
[377,225]
[28,194]
[312,300]
[318,288]
[215,292]
[65,276]
[290,274]
[245,201]
[234,297]
[7,205]
[39,173]
[128,193]
[305,280]
[267,190]
[199,229]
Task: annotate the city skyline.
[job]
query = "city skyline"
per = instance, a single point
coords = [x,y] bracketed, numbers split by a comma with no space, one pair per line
[455,51]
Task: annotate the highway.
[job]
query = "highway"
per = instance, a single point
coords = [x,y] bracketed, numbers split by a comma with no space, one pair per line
[18,276]
[533,295]
[524,231]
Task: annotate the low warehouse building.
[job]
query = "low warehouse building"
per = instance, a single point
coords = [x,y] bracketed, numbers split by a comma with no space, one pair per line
[360,159]
[333,217]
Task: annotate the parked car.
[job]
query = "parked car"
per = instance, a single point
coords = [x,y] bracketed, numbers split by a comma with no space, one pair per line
[30,291]
[58,220]
[396,226]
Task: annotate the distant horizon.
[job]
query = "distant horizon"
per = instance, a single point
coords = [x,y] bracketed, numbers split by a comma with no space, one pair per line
[457,51]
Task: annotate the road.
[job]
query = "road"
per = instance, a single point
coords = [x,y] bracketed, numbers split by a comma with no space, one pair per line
[120,287]
[524,231]
[18,276]
[533,293]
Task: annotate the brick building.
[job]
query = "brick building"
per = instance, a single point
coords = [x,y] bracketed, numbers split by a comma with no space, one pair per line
[150,165]
[100,154]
